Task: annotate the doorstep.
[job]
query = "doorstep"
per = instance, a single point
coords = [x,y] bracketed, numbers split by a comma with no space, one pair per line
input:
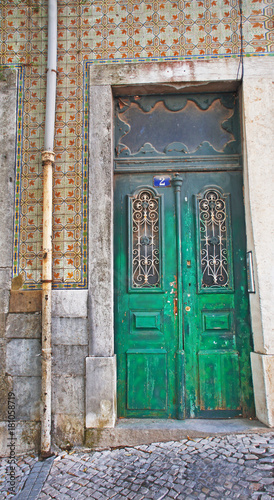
[135,431]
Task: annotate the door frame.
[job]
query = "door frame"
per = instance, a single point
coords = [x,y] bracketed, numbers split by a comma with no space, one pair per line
[107,81]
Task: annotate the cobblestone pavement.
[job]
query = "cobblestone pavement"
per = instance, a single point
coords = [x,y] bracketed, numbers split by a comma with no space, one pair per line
[234,466]
[22,469]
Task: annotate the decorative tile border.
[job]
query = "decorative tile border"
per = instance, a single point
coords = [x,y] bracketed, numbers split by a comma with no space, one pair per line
[18,161]
[98,32]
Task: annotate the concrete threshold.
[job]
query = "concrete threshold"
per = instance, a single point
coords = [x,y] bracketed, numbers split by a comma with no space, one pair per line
[133,432]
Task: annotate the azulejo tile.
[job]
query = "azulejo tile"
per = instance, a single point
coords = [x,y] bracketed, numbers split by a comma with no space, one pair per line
[91,32]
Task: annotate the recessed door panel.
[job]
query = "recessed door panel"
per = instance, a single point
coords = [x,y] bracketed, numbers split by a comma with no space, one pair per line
[146,323]
[147,379]
[219,380]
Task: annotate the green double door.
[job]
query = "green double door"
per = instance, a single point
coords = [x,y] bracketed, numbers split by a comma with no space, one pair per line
[182,332]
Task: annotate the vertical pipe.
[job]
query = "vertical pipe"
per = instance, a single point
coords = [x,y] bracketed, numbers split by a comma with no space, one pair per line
[47,162]
[48,158]
[51,75]
[180,356]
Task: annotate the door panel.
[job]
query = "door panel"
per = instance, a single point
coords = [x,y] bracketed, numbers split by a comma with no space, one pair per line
[146,379]
[145,278]
[196,364]
[219,380]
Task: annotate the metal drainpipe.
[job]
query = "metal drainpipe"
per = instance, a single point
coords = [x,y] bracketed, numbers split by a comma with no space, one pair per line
[47,162]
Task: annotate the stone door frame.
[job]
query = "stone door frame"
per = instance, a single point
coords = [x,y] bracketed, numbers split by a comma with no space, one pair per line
[107,80]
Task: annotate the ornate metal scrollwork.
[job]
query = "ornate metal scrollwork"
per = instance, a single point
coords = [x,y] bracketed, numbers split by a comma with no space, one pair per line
[145,240]
[213,221]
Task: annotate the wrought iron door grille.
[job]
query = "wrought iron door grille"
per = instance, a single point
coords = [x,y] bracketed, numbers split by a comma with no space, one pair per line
[145,240]
[213,225]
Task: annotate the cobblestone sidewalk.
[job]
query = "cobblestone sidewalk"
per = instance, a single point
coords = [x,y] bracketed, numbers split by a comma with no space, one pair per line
[234,466]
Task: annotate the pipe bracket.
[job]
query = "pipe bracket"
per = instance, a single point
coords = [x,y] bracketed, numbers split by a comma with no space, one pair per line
[48,156]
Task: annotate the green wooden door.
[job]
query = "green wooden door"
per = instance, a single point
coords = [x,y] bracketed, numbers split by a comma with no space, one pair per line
[217,335]
[182,334]
[145,280]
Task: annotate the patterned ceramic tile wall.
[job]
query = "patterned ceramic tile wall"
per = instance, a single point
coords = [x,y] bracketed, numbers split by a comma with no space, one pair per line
[88,33]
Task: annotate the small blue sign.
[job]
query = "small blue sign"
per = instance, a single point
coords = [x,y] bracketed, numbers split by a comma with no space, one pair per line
[161,181]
